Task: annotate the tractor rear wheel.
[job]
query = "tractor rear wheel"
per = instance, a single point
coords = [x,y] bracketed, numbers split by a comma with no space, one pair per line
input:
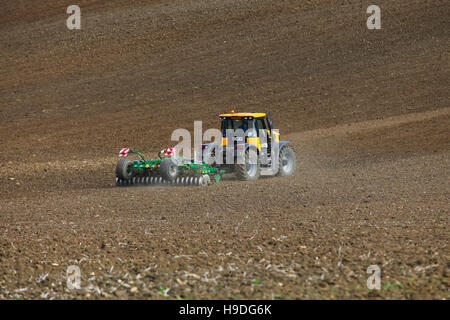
[286,161]
[250,170]
[168,169]
[123,169]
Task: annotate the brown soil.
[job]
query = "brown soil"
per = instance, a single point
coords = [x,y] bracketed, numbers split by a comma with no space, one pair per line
[368,113]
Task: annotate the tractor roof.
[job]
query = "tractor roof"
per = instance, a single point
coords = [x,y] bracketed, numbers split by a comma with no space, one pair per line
[242,114]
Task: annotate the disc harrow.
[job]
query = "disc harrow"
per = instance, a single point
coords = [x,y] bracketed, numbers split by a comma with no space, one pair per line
[168,170]
[201,181]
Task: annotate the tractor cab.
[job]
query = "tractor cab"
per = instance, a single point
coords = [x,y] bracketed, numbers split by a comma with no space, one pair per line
[256,129]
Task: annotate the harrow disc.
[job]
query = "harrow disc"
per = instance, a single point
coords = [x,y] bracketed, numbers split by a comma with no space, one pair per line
[205,180]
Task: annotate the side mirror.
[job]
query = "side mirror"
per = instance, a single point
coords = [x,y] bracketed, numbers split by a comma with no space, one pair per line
[269,122]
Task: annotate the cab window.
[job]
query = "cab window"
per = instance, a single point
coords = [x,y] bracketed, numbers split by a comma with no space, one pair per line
[260,125]
[244,124]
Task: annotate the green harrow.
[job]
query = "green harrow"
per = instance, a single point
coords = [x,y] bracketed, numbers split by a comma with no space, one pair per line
[163,171]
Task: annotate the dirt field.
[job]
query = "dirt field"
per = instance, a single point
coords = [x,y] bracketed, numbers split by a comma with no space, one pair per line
[368,112]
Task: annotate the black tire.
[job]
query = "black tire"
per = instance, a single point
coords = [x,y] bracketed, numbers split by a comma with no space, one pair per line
[286,161]
[123,169]
[168,169]
[248,171]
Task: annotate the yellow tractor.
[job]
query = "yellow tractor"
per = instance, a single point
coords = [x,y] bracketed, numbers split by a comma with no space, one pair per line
[251,147]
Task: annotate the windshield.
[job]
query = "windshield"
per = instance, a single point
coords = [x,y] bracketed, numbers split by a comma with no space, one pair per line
[239,123]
